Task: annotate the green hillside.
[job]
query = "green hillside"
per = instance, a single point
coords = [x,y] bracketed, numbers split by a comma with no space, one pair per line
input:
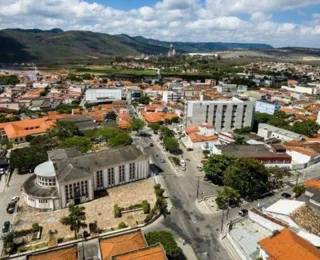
[59,47]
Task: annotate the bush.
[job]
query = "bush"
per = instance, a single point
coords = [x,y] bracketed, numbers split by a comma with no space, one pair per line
[145,207]
[175,160]
[165,238]
[157,186]
[149,217]
[35,227]
[117,211]
[159,192]
[122,225]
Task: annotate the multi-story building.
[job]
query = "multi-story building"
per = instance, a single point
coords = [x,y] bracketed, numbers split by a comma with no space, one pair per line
[96,94]
[267,107]
[225,115]
[71,177]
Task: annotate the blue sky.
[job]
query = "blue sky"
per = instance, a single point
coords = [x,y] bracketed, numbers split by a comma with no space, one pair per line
[277,22]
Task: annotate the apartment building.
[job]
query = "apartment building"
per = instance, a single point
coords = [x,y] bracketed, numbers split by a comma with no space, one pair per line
[225,115]
[96,94]
[263,106]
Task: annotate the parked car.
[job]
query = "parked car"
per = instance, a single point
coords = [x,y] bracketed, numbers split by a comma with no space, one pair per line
[286,195]
[199,167]
[14,199]
[205,178]
[183,168]
[6,227]
[182,163]
[243,212]
[162,160]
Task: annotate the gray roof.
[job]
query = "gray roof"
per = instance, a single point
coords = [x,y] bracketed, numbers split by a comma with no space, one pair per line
[82,122]
[84,165]
[31,188]
[281,131]
[45,169]
[61,154]
[250,151]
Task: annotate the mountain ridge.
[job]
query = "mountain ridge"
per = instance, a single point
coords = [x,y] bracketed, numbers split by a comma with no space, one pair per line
[58,46]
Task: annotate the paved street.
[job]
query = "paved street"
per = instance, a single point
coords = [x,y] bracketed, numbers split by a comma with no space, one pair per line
[186,221]
[13,189]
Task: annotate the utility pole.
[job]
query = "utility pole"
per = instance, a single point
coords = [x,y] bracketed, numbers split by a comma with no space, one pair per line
[222,219]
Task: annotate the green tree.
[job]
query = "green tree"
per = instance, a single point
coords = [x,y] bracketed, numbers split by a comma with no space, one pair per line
[243,131]
[227,197]
[249,177]
[28,157]
[144,100]
[122,225]
[165,132]
[83,144]
[9,80]
[111,115]
[107,132]
[171,144]
[308,128]
[87,76]
[66,108]
[165,238]
[276,175]
[137,124]
[299,190]
[216,165]
[155,127]
[64,129]
[75,220]
[239,140]
[121,139]
[175,119]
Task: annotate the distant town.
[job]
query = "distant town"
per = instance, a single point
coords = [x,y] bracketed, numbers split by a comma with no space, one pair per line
[161,158]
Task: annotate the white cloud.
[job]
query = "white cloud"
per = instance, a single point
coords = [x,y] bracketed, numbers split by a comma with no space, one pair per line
[171,20]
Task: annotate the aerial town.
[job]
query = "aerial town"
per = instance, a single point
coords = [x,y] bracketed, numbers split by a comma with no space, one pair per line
[109,168]
[160,130]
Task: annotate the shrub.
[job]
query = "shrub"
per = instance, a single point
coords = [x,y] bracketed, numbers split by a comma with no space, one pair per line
[35,227]
[175,160]
[157,186]
[117,211]
[159,192]
[149,217]
[145,207]
[122,225]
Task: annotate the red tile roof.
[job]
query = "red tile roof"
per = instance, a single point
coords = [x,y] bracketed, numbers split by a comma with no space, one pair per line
[287,245]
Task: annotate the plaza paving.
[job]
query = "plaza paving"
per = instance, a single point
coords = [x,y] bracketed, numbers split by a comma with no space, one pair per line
[100,210]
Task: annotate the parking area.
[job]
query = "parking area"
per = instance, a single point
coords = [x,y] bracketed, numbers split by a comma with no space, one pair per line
[100,210]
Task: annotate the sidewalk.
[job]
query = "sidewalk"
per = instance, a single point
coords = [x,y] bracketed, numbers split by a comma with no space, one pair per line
[186,249]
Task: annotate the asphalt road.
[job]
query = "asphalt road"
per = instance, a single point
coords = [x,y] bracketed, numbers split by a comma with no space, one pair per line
[186,221]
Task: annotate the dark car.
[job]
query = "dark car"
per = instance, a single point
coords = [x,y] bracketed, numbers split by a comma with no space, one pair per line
[10,207]
[286,195]
[151,144]
[6,227]
[243,212]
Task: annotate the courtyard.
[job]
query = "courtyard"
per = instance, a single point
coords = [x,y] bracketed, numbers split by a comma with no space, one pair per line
[99,210]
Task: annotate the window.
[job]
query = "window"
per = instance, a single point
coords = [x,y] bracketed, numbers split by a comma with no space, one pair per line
[99,180]
[43,201]
[111,176]
[121,174]
[132,171]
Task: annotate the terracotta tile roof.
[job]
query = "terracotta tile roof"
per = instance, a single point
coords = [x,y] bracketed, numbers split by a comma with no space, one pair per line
[121,244]
[154,117]
[153,252]
[123,124]
[312,184]
[287,245]
[309,149]
[23,128]
[196,138]
[124,116]
[192,129]
[70,253]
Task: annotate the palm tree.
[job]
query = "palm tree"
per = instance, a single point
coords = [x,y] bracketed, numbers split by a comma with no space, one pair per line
[75,219]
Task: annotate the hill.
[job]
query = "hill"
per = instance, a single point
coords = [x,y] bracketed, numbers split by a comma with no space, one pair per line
[58,46]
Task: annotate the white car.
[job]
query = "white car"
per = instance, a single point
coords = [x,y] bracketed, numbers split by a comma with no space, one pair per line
[14,199]
[183,163]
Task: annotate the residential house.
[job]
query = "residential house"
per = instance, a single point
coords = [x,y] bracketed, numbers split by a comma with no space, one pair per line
[268,131]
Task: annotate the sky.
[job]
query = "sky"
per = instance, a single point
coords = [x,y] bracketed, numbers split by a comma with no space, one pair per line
[280,23]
